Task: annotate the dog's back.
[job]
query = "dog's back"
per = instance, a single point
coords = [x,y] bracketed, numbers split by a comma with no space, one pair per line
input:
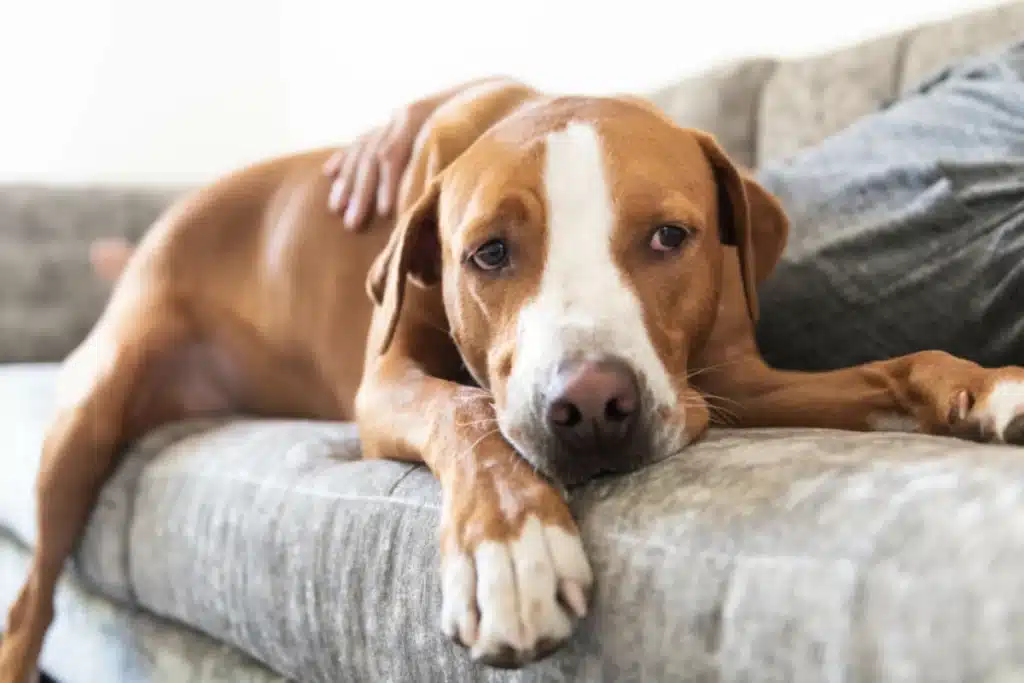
[256,260]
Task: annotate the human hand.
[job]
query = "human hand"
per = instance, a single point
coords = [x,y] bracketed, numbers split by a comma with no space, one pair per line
[367,172]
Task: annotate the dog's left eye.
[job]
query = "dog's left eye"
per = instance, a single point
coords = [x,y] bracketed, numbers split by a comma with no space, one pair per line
[669,237]
[491,255]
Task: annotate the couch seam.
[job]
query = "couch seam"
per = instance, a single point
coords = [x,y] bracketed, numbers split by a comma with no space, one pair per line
[394,487]
[129,573]
[899,65]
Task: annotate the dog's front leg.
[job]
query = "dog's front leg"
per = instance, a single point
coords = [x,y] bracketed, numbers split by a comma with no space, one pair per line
[514,572]
[931,392]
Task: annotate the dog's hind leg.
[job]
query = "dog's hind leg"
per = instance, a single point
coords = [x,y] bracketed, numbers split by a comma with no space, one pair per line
[95,419]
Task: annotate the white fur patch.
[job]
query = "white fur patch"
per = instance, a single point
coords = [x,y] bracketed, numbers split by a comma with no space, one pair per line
[1004,402]
[458,586]
[583,303]
[509,595]
[893,422]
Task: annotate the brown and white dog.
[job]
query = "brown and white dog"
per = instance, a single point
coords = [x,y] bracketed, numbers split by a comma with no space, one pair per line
[570,282]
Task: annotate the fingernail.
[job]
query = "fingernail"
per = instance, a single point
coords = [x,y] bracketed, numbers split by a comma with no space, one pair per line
[350,215]
[330,166]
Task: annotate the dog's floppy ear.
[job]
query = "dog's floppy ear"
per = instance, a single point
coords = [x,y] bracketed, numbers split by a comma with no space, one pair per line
[413,252]
[749,218]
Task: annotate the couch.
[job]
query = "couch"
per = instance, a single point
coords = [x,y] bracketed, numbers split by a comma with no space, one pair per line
[265,550]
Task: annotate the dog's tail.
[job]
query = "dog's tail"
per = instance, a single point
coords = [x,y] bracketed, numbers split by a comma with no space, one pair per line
[109,257]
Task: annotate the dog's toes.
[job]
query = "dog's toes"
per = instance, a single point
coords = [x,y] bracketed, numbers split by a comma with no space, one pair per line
[515,601]
[1014,432]
[459,617]
[999,414]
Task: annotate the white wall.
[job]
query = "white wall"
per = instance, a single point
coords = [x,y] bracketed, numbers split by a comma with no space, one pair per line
[157,91]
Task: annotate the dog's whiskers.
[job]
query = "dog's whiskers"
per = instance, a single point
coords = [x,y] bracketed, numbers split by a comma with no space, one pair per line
[475,423]
[474,394]
[717,366]
[717,412]
[709,396]
[722,415]
[469,449]
[723,418]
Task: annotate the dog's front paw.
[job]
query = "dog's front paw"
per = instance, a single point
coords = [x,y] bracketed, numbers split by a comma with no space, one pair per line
[515,576]
[952,396]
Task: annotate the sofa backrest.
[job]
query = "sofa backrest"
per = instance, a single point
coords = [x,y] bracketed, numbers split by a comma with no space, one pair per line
[49,296]
[765,109]
[760,109]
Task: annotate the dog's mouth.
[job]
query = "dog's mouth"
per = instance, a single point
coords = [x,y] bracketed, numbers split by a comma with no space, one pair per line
[570,468]
[577,476]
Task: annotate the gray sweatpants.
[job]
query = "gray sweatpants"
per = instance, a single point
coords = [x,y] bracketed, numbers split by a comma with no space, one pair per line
[908,229]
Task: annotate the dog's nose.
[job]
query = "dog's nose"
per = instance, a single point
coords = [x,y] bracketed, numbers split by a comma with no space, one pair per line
[592,403]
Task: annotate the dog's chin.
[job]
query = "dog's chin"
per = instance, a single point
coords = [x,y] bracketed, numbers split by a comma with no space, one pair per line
[570,470]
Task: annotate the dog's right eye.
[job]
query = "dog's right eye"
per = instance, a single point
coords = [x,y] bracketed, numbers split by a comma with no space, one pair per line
[491,256]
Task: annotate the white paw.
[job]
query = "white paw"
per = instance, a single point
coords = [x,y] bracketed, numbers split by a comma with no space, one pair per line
[1000,414]
[514,601]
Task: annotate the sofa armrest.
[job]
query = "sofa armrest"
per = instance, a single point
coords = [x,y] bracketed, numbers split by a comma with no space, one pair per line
[49,297]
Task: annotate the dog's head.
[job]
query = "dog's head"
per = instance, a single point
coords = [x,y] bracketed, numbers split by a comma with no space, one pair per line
[578,245]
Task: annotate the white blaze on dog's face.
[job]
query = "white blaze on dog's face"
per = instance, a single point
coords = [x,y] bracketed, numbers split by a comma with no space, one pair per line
[581,266]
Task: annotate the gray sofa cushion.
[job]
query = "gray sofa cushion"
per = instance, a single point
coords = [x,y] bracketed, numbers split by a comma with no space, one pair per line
[756,556]
[807,100]
[93,640]
[942,43]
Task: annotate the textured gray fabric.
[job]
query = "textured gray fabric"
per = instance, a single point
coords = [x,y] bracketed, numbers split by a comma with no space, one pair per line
[723,101]
[770,555]
[908,229]
[807,100]
[765,109]
[48,296]
[95,640]
[940,44]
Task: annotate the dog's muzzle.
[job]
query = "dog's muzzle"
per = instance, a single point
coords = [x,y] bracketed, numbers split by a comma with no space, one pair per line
[593,419]
[591,405]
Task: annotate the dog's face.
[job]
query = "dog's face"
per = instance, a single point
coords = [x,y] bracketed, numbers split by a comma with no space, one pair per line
[578,245]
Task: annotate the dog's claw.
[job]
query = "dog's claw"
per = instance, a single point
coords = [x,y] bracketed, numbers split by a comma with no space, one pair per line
[962,404]
[464,632]
[574,596]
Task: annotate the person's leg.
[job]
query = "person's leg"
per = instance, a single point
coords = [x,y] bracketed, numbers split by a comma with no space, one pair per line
[908,229]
